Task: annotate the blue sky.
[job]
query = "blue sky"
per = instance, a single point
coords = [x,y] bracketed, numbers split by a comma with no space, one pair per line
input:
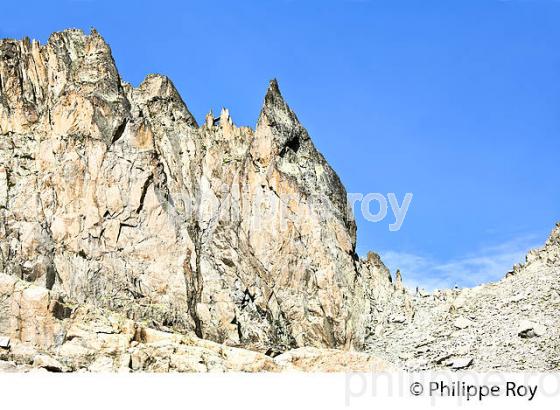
[457,102]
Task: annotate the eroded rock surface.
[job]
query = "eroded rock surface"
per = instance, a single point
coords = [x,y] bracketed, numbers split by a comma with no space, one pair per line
[46,332]
[133,239]
[113,195]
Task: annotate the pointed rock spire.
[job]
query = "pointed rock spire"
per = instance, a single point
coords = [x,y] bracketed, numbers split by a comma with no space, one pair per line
[158,89]
[225,117]
[398,280]
[209,120]
[277,127]
[273,95]
[275,111]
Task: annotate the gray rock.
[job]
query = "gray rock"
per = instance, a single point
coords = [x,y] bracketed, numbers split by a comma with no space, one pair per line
[499,336]
[4,342]
[397,319]
[528,329]
[461,363]
[462,323]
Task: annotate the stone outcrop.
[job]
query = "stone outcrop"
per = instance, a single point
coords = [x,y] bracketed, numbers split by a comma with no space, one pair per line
[133,239]
[47,332]
[113,195]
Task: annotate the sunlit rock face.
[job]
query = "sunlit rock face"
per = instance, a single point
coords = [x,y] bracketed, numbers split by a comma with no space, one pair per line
[114,196]
[133,239]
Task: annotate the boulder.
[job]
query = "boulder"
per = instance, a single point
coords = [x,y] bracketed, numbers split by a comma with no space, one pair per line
[462,323]
[528,329]
[4,342]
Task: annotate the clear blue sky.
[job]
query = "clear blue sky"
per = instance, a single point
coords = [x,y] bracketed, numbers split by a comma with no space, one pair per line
[456,101]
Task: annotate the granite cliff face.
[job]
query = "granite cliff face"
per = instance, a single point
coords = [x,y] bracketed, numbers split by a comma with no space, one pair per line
[113,196]
[133,238]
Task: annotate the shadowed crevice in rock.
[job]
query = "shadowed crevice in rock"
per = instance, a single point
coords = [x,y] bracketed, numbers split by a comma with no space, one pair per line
[119,132]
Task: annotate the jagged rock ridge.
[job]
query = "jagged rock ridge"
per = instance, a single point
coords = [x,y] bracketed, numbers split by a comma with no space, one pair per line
[131,238]
[113,196]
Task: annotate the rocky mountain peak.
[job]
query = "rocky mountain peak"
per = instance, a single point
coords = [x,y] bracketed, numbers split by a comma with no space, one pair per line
[125,228]
[112,195]
[157,95]
[275,112]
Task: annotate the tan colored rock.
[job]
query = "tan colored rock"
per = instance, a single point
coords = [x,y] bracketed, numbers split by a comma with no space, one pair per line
[46,362]
[309,359]
[103,364]
[130,229]
[27,312]
[97,340]
[241,236]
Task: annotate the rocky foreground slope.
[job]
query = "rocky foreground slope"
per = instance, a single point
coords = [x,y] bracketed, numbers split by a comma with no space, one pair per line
[513,324]
[131,238]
